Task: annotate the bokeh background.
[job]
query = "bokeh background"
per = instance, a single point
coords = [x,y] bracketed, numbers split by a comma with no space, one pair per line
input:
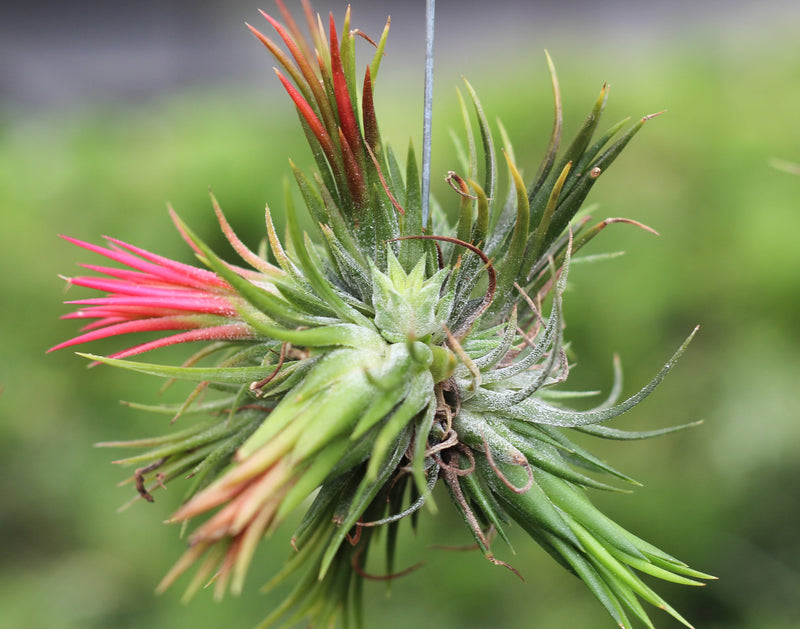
[108,111]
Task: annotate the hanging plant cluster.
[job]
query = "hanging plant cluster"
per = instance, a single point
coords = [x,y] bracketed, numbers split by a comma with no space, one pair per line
[381,355]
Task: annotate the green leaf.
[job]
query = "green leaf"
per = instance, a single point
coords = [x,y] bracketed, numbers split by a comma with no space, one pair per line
[319,282]
[366,491]
[267,303]
[375,65]
[597,584]
[486,362]
[571,501]
[579,143]
[600,556]
[627,435]
[537,411]
[508,269]
[536,242]
[545,457]
[489,157]
[532,509]
[314,474]
[224,375]
[411,225]
[555,135]
[480,495]
[418,398]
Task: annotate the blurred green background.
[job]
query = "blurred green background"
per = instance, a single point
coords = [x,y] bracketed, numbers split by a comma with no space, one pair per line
[724,497]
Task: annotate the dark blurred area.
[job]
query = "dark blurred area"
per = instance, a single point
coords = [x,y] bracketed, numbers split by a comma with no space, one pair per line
[108,111]
[55,54]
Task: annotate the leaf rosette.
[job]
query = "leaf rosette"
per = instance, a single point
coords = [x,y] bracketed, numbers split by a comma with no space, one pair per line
[377,357]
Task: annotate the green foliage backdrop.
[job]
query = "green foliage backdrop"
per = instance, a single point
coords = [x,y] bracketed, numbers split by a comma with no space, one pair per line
[725,496]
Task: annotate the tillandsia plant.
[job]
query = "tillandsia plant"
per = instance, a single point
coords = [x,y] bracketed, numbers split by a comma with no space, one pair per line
[360,366]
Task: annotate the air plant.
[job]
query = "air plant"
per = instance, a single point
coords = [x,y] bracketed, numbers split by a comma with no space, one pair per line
[357,367]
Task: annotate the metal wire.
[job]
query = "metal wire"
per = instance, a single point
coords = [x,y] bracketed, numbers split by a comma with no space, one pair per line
[427,121]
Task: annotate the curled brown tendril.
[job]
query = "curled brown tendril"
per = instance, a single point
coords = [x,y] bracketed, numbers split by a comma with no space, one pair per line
[524,463]
[138,476]
[355,563]
[457,183]
[388,192]
[255,386]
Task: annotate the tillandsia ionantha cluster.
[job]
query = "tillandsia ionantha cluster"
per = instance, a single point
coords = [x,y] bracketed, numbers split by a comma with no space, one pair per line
[380,356]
